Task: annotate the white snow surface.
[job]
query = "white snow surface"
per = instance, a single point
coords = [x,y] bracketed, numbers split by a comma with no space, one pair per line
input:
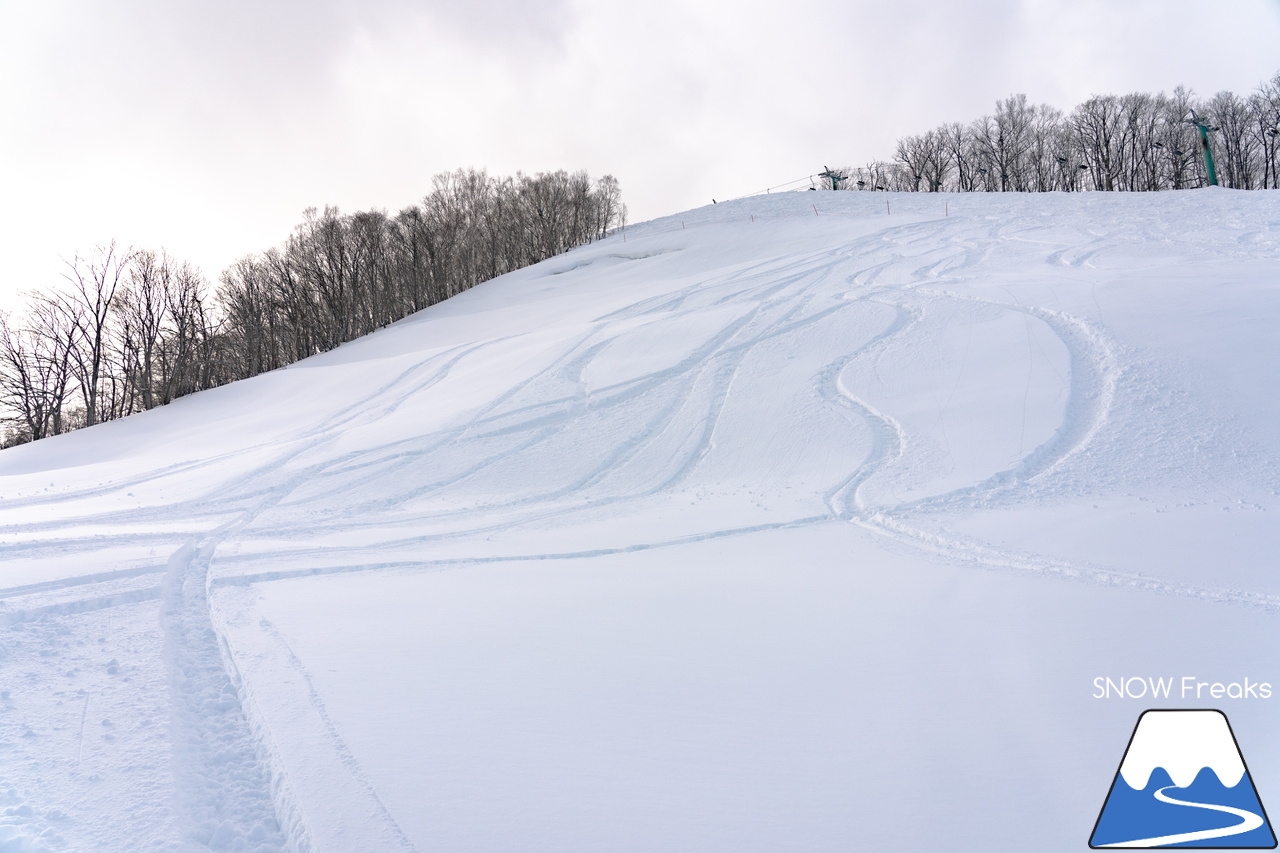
[1183,743]
[782,524]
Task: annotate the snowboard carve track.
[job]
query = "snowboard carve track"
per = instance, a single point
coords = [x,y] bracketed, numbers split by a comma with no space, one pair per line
[362,822]
[213,718]
[1094,376]
[229,793]
[224,787]
[711,367]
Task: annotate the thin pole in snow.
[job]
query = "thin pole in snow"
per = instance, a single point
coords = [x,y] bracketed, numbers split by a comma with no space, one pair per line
[815,210]
[946,209]
[681,224]
[887,211]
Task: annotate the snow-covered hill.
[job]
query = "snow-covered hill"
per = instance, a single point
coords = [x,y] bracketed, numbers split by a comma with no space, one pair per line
[802,523]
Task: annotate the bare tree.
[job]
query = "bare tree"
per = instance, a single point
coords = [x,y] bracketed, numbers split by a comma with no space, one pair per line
[1177,145]
[926,160]
[35,370]
[1237,155]
[184,360]
[1264,125]
[1006,140]
[142,312]
[94,283]
[1134,143]
[135,330]
[958,142]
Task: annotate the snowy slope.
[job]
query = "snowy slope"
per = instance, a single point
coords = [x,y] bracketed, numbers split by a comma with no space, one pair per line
[770,526]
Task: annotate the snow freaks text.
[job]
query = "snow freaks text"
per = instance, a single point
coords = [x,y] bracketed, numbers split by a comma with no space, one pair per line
[1186,687]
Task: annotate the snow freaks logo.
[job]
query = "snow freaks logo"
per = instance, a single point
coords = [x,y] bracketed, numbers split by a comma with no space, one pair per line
[1183,783]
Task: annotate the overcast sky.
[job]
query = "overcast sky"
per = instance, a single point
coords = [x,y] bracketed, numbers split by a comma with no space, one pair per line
[207,127]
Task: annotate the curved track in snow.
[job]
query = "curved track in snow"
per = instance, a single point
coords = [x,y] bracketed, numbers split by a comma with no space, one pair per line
[1248,822]
[705,397]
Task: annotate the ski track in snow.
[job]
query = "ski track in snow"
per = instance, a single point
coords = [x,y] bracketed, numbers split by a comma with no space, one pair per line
[1249,821]
[1093,385]
[661,427]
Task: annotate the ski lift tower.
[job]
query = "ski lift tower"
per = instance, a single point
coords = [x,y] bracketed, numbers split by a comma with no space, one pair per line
[834,177]
[1204,127]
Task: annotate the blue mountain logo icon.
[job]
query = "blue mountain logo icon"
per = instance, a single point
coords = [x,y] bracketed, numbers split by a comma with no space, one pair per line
[1183,783]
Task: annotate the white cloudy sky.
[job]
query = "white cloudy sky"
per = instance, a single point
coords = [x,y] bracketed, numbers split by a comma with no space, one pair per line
[207,127]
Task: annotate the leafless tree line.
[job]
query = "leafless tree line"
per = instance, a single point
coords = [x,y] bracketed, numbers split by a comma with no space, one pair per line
[131,330]
[1133,143]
